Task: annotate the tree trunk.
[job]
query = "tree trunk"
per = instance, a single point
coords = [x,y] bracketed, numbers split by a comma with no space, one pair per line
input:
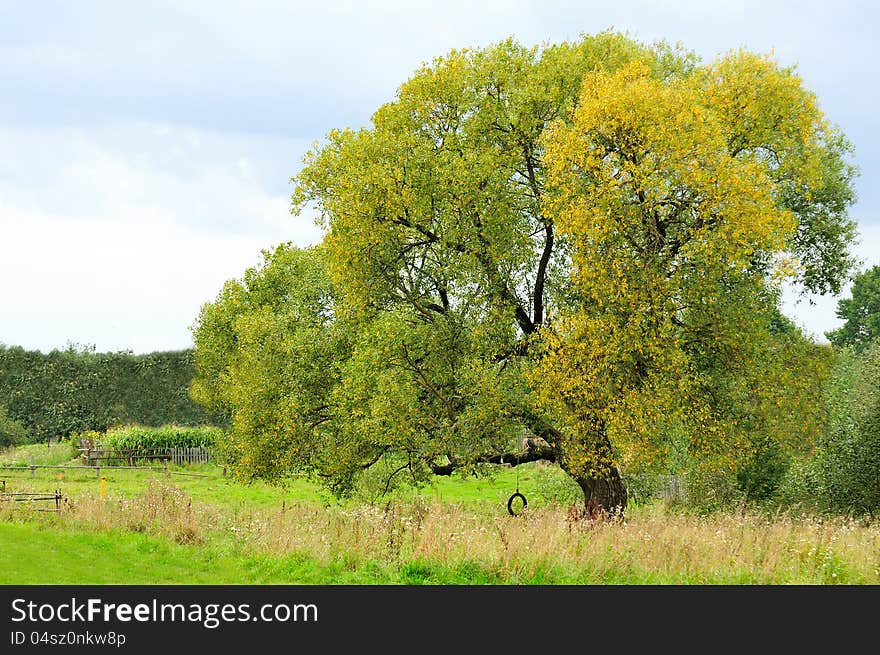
[604,494]
[604,497]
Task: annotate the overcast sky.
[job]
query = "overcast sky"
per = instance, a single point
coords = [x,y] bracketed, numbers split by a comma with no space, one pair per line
[147,147]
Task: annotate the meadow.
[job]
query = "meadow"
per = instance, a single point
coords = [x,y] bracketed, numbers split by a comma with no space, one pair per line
[193,525]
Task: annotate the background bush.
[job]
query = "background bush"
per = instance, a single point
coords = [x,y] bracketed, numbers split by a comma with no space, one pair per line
[12,433]
[848,459]
[843,474]
[557,488]
[758,479]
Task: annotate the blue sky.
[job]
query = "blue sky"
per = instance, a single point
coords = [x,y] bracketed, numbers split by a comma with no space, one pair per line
[147,147]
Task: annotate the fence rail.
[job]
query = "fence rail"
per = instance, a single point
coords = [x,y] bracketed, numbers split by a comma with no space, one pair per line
[31,497]
[99,456]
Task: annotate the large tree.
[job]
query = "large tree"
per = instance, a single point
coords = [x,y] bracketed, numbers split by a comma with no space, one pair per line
[563,244]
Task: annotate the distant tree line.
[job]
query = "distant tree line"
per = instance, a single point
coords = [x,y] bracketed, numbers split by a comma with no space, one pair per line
[77,389]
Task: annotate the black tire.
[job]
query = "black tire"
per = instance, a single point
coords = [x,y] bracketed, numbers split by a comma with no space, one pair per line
[510,503]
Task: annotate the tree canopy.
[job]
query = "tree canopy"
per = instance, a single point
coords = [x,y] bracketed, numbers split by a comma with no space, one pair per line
[860,312]
[577,244]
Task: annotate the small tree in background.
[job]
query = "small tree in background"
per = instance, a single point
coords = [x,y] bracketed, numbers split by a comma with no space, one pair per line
[861,312]
[270,351]
[12,433]
[843,473]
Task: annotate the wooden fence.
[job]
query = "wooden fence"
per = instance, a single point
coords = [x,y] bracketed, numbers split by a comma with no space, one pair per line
[121,457]
[671,487]
[191,455]
[30,498]
[96,456]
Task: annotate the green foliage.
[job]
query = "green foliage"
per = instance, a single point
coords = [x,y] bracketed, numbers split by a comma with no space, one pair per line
[801,487]
[768,405]
[167,436]
[376,483]
[77,389]
[861,312]
[575,242]
[557,489]
[848,459]
[269,352]
[90,436]
[710,489]
[842,475]
[12,432]
[645,489]
[759,478]
[774,405]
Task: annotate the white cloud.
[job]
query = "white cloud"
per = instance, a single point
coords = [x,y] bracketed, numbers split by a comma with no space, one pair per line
[117,242]
[119,285]
[212,182]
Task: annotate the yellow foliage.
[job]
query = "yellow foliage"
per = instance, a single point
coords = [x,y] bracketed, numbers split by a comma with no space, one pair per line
[667,198]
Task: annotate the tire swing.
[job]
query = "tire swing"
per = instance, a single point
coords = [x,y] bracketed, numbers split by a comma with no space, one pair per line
[510,500]
[516,494]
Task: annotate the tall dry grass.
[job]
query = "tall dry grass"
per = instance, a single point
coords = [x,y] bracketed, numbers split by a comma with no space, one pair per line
[653,545]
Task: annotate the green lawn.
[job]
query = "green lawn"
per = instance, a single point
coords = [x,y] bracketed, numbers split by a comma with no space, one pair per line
[206,483]
[36,550]
[35,554]
[56,453]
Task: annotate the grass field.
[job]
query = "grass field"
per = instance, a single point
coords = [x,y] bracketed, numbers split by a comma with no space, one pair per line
[195,526]
[55,453]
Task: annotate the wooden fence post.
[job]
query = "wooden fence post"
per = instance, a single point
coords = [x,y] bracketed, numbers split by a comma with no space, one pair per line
[33,468]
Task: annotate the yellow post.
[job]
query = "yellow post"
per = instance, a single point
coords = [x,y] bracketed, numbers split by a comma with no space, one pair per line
[103,484]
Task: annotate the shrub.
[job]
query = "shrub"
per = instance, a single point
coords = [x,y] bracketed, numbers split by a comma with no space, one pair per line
[382,478]
[710,488]
[801,486]
[12,433]
[556,487]
[759,478]
[843,475]
[65,391]
[848,459]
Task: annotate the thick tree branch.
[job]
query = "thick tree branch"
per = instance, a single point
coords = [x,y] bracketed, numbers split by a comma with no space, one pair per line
[533,454]
[540,276]
[506,296]
[538,303]
[518,349]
